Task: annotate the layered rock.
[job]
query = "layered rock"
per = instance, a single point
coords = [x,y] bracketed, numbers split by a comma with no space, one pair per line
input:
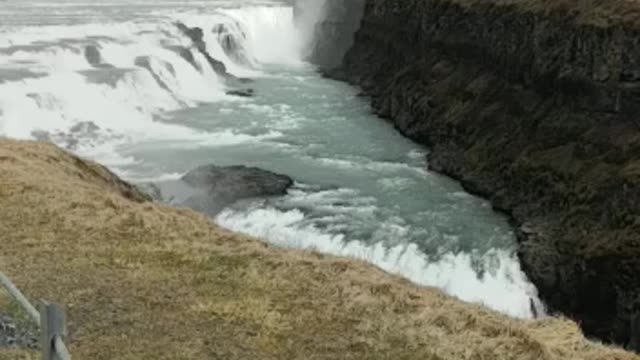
[196,35]
[536,111]
[231,39]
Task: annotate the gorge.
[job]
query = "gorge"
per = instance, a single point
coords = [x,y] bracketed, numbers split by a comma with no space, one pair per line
[533,106]
[255,201]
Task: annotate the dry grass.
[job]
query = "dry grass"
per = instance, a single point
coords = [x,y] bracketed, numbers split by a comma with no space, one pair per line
[145,281]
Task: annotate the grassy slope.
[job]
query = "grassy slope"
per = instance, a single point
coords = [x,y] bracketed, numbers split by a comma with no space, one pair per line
[144,281]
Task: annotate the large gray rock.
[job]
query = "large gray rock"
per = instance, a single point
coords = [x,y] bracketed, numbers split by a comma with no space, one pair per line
[209,189]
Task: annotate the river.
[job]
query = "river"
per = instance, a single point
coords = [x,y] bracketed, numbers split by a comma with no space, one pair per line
[362,190]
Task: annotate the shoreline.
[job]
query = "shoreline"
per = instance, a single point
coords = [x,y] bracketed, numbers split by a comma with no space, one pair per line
[114,259]
[527,123]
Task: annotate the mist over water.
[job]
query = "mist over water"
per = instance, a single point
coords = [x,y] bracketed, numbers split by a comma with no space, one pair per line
[135,104]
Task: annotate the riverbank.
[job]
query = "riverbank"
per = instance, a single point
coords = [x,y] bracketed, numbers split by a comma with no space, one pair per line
[141,280]
[533,107]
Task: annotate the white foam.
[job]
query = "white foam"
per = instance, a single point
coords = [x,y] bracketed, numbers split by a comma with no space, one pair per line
[312,12]
[396,183]
[223,138]
[272,37]
[130,105]
[357,162]
[504,288]
[138,178]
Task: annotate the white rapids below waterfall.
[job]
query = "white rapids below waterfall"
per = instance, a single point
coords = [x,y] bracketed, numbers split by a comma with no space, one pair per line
[142,109]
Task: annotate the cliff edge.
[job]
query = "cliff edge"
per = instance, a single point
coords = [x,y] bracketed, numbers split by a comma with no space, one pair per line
[535,106]
[141,280]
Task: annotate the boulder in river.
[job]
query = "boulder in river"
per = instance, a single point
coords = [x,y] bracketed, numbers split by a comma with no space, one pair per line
[94,58]
[241,92]
[210,188]
[197,38]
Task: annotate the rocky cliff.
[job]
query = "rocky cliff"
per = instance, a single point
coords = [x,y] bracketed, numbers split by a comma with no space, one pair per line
[534,106]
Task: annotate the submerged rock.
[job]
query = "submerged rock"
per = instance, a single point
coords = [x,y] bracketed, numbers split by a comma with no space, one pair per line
[94,58]
[231,41]
[82,132]
[241,92]
[145,63]
[209,189]
[196,35]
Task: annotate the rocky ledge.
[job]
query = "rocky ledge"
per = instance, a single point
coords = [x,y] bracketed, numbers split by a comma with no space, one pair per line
[535,107]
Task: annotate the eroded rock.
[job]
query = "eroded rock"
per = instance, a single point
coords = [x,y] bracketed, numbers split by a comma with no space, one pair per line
[209,189]
[196,35]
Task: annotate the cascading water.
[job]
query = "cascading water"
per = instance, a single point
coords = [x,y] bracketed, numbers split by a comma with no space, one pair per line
[123,84]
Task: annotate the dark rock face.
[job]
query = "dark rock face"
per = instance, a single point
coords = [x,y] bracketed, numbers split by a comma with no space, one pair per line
[94,58]
[537,113]
[92,54]
[209,189]
[334,32]
[186,54]
[197,38]
[241,93]
[196,35]
[145,63]
[231,41]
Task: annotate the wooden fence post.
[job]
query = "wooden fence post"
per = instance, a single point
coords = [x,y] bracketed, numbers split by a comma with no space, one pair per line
[52,325]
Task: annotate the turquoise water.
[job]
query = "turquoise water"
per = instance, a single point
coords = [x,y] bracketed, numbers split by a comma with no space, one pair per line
[362,190]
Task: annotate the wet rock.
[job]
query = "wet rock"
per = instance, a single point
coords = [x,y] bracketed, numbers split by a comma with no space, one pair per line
[197,38]
[85,127]
[188,55]
[83,132]
[195,34]
[145,63]
[209,189]
[231,39]
[241,92]
[94,58]
[92,54]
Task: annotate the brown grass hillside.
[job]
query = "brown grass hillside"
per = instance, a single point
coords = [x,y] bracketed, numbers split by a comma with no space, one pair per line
[144,281]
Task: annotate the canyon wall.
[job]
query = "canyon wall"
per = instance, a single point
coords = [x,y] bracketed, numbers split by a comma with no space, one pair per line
[536,107]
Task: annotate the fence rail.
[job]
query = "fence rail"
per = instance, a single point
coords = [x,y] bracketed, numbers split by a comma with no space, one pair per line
[50,319]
